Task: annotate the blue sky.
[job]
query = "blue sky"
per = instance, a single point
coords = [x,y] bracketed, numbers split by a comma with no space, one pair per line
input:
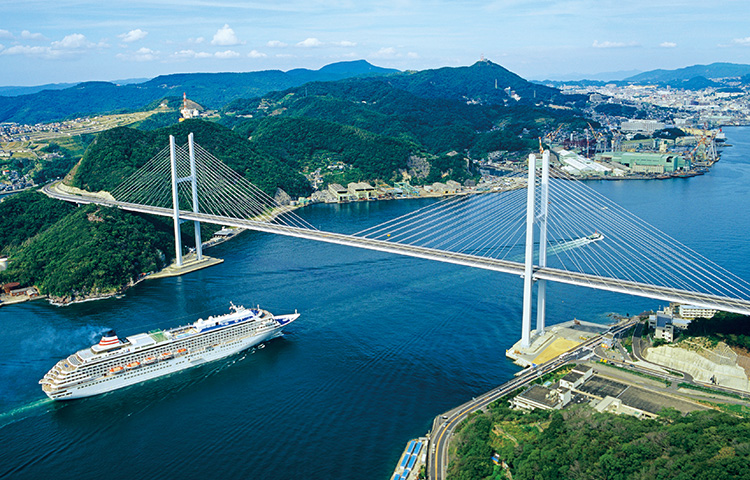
[72,41]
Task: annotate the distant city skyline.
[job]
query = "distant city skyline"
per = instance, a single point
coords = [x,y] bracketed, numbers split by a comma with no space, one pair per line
[72,41]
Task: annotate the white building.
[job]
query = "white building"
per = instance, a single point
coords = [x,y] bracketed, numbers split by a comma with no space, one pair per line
[646,126]
[692,311]
[578,165]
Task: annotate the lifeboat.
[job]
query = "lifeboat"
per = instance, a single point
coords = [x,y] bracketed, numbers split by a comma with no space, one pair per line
[181,351]
[116,370]
[149,360]
[166,355]
[132,365]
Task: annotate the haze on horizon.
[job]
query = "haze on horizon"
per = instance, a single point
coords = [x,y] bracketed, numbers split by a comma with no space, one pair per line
[70,41]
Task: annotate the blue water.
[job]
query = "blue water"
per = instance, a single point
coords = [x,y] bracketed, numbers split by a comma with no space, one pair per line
[383,345]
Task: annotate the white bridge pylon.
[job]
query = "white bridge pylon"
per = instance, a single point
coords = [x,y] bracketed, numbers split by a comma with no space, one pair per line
[193,179]
[528,272]
[623,255]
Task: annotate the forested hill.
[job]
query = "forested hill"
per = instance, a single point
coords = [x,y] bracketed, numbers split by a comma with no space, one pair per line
[437,122]
[714,70]
[118,153]
[483,82]
[212,90]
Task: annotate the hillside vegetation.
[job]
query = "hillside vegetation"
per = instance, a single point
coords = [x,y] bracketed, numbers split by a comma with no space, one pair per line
[375,124]
[118,153]
[79,251]
[579,443]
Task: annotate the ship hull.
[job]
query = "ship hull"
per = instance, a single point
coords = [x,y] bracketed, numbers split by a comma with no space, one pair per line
[158,369]
[148,364]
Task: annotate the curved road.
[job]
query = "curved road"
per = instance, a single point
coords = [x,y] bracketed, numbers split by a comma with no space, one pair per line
[444,425]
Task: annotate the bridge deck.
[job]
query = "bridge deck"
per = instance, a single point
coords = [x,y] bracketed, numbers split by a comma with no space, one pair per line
[667,294]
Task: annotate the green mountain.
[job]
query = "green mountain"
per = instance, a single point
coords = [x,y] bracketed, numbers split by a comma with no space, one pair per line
[118,153]
[211,90]
[434,112]
[483,82]
[714,70]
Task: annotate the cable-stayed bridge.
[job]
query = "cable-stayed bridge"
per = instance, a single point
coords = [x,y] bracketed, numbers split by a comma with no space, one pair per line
[559,230]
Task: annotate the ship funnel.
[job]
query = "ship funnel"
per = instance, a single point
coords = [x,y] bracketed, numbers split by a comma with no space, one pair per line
[109,339]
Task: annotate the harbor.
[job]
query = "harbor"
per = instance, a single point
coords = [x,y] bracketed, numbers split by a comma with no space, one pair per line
[436,339]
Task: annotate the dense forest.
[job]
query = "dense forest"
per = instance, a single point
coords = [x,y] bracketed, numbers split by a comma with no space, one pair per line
[67,251]
[374,124]
[579,443]
[730,328]
[26,214]
[118,153]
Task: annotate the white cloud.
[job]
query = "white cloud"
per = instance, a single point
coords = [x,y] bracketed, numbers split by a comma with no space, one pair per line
[256,54]
[227,54]
[191,54]
[141,55]
[385,52]
[27,35]
[608,44]
[225,37]
[667,45]
[70,45]
[344,43]
[276,44]
[5,34]
[310,42]
[28,51]
[133,35]
[741,41]
[198,40]
[392,52]
[74,41]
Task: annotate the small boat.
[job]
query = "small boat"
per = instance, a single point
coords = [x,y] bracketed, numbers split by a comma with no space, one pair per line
[262,345]
[116,370]
[166,355]
[595,236]
[181,351]
[149,360]
[132,365]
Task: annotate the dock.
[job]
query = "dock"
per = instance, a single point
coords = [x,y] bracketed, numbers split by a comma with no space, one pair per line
[555,341]
[190,264]
[412,460]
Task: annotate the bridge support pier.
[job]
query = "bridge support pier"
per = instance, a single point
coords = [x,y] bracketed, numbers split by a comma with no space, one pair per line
[175,204]
[194,184]
[541,293]
[528,273]
[193,178]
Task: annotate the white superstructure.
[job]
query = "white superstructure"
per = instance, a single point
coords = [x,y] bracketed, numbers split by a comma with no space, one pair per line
[113,363]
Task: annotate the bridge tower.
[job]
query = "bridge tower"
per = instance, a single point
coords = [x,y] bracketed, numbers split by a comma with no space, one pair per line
[193,179]
[528,277]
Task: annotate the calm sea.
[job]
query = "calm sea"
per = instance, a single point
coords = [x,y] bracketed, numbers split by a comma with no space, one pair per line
[384,344]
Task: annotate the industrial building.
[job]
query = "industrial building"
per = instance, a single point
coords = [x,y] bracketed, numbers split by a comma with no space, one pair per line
[656,163]
[361,191]
[339,192]
[578,165]
[646,126]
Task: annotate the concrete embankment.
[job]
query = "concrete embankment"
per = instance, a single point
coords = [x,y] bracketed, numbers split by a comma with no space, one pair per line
[702,363]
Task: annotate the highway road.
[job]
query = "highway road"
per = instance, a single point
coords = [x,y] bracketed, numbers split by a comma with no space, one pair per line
[445,424]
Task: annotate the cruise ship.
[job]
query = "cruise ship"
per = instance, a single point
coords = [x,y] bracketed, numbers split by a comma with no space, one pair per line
[114,363]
